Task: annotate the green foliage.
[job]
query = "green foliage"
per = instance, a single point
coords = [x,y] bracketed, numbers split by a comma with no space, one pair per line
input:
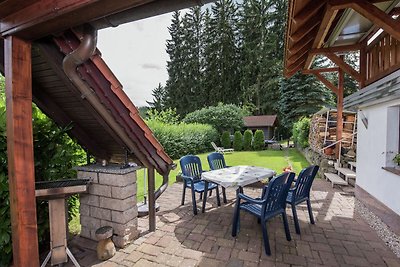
[159,96]
[247,138]
[182,139]
[301,131]
[221,117]
[55,155]
[238,141]
[226,140]
[301,96]
[258,143]
[167,116]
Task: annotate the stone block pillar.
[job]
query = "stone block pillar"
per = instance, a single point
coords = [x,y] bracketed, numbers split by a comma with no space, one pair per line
[111,201]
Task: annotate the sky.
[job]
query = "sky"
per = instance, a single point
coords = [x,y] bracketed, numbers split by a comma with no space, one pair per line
[135,52]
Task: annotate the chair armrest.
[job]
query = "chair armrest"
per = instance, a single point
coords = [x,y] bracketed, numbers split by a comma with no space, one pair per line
[250,199]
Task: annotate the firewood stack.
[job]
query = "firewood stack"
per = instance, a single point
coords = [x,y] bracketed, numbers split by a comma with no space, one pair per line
[323,130]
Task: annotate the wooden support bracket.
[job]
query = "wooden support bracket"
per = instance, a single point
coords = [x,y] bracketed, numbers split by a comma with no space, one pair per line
[326,82]
[344,66]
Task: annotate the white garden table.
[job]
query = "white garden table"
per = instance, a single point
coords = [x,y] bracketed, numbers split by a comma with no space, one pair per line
[236,177]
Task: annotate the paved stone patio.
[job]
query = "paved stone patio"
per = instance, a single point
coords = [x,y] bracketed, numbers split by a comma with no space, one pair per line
[340,236]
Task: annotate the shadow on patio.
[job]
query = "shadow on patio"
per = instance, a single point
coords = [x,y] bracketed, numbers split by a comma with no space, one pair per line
[340,236]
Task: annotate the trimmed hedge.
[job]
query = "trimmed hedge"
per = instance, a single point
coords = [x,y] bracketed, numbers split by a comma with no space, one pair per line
[183,139]
[226,140]
[238,141]
[247,138]
[258,143]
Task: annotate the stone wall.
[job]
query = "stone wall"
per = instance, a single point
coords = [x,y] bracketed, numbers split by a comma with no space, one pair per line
[111,201]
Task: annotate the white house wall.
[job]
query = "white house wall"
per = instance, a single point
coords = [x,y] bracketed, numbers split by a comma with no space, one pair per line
[376,146]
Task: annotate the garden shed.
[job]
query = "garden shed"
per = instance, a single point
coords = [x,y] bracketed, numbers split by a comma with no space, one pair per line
[266,123]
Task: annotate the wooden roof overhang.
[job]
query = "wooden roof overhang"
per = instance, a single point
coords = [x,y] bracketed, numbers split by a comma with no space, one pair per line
[332,28]
[35,37]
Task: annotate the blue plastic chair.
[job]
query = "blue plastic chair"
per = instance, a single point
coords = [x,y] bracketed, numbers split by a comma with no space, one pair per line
[272,203]
[216,161]
[191,174]
[301,192]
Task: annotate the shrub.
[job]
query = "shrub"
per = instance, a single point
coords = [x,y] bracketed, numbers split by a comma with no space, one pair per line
[238,141]
[258,143]
[183,139]
[167,116]
[301,131]
[55,155]
[247,138]
[226,140]
[221,117]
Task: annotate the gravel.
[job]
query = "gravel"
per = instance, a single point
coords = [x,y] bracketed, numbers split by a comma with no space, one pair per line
[391,239]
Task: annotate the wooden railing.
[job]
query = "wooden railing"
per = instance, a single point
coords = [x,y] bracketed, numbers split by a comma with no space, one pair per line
[382,57]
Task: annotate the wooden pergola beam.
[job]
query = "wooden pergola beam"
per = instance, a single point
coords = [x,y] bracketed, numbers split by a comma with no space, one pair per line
[21,170]
[323,29]
[312,71]
[326,82]
[344,66]
[372,13]
[305,28]
[300,45]
[336,49]
[308,11]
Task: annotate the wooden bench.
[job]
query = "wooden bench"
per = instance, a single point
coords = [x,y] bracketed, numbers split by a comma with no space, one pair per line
[335,179]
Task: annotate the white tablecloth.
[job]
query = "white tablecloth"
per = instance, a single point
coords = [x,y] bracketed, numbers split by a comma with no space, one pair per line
[237,176]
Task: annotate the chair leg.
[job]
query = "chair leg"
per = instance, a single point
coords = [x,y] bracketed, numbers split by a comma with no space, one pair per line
[265,237]
[296,220]
[210,193]
[194,201]
[201,195]
[310,211]
[236,218]
[286,226]
[183,193]
[218,199]
[224,194]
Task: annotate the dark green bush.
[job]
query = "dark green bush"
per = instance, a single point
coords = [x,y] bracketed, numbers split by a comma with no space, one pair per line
[55,155]
[221,117]
[226,140]
[247,138]
[183,139]
[258,143]
[301,130]
[238,141]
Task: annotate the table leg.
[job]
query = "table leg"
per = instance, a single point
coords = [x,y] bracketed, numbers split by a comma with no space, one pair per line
[204,196]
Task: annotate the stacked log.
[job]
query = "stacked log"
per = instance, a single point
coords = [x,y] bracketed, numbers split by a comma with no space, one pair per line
[323,130]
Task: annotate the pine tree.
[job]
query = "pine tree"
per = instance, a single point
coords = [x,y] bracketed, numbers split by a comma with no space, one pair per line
[174,88]
[301,95]
[221,54]
[159,96]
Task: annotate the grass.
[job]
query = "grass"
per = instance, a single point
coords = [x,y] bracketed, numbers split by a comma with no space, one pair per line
[272,159]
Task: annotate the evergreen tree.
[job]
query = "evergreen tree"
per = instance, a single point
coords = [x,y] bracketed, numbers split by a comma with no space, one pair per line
[301,95]
[159,96]
[221,54]
[174,88]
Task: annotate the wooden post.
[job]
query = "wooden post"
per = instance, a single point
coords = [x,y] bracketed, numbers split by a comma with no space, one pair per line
[363,64]
[151,200]
[339,124]
[21,173]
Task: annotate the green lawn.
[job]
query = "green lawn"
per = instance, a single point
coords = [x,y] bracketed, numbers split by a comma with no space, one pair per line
[272,159]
